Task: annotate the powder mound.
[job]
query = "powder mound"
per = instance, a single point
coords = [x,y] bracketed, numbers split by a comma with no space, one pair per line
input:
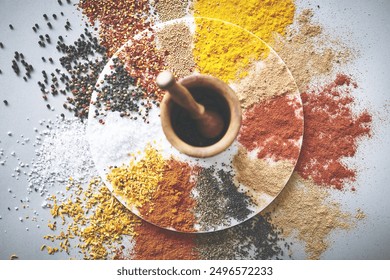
[262,17]
[304,210]
[272,128]
[332,132]
[172,204]
[153,243]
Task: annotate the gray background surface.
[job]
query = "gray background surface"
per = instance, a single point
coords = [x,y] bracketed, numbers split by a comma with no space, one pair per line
[363,24]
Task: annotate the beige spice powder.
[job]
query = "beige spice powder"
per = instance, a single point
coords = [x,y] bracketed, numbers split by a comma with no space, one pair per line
[259,175]
[306,210]
[310,53]
[265,79]
[176,41]
[171,9]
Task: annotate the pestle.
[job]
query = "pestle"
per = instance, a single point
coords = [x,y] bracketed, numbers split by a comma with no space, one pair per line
[210,124]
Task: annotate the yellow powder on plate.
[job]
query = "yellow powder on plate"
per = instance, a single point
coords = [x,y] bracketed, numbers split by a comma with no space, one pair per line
[224,50]
[259,175]
[137,182]
[262,17]
[305,210]
[265,79]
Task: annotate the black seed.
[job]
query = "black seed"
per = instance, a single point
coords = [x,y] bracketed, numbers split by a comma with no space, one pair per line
[25,79]
[59,2]
[49,24]
[62,13]
[35,30]
[54,16]
[48,106]
[63,115]
[51,60]
[5,102]
[1,45]
[11,27]
[37,26]
[43,59]
[21,56]
[45,16]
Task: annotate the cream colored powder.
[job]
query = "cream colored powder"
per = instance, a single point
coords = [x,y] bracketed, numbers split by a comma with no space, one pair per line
[304,210]
[259,175]
[308,52]
[176,41]
[265,79]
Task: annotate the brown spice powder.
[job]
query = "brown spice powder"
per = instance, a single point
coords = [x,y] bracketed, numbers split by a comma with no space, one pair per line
[176,41]
[172,204]
[304,209]
[260,175]
[265,79]
[307,51]
[171,9]
[154,243]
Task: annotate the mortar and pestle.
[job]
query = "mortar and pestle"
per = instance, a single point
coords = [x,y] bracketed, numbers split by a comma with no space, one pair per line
[200,114]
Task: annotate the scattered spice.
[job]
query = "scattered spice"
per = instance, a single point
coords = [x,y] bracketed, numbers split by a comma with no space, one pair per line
[332,131]
[261,176]
[171,9]
[323,53]
[266,79]
[119,21]
[255,239]
[176,41]
[95,217]
[144,62]
[273,129]
[224,50]
[154,243]
[304,210]
[219,200]
[138,181]
[172,204]
[118,94]
[262,17]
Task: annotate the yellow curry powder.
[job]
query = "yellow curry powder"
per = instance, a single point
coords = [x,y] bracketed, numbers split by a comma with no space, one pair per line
[262,17]
[224,50]
[137,181]
[97,218]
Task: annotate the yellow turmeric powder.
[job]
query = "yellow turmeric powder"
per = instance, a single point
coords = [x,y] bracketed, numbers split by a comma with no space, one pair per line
[225,50]
[261,17]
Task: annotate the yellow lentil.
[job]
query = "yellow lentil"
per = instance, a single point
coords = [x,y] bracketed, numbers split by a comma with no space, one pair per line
[137,182]
[224,50]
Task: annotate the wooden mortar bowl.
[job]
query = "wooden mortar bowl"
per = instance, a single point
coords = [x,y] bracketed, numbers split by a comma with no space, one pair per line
[217,87]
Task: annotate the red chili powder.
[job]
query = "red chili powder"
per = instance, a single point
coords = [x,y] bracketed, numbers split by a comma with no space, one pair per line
[332,131]
[273,127]
[154,243]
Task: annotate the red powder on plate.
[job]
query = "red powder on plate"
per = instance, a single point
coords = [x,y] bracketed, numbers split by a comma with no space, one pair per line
[272,127]
[154,243]
[331,133]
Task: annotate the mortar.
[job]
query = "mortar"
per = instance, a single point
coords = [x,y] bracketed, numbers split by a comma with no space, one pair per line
[180,128]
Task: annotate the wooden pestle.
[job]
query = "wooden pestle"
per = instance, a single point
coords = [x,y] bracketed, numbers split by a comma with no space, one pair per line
[209,123]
